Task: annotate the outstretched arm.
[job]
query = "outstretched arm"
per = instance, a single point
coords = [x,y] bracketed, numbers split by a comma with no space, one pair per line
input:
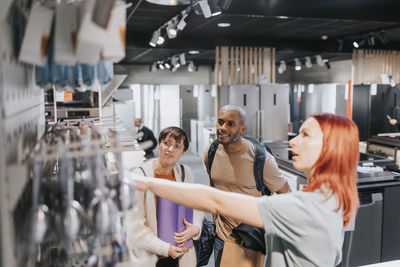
[201,197]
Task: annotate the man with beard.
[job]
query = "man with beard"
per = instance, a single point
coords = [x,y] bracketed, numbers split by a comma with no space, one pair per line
[233,171]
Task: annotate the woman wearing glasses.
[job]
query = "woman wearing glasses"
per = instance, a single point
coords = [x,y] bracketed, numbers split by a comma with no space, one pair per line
[145,222]
[303,228]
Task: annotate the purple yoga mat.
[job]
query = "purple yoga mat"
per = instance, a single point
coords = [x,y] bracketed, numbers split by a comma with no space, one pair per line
[170,220]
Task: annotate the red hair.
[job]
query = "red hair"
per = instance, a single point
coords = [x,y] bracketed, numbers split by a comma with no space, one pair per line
[336,167]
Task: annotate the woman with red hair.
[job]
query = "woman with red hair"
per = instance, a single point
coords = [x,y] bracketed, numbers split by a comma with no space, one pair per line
[303,228]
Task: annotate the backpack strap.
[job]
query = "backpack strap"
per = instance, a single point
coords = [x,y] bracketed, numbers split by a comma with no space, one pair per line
[211,155]
[259,162]
[182,173]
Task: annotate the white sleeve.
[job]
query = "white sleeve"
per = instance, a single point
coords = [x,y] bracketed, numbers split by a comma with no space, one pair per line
[139,233]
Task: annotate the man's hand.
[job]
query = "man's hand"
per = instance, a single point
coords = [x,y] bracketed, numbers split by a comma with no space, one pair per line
[190,232]
[175,252]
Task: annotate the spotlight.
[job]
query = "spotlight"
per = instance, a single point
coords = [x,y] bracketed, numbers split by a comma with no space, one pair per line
[297,64]
[182,59]
[166,64]
[182,23]
[191,66]
[383,37]
[205,8]
[282,67]
[153,67]
[161,38]
[174,62]
[308,62]
[154,39]
[319,60]
[171,30]
[358,43]
[194,52]
[215,9]
[160,66]
[371,40]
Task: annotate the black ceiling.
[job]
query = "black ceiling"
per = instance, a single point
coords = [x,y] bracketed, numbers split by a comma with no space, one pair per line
[260,23]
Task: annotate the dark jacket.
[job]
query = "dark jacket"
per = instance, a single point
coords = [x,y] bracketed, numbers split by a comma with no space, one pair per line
[148,135]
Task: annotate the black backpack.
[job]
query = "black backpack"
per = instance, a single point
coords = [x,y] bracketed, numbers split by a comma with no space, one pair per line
[259,161]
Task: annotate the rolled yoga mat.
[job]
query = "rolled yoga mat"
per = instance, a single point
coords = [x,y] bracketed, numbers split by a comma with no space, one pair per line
[170,220]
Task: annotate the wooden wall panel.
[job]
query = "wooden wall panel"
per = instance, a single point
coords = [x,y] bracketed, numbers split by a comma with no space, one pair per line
[369,65]
[243,65]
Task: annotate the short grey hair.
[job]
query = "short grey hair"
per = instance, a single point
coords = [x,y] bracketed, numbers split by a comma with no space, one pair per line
[240,111]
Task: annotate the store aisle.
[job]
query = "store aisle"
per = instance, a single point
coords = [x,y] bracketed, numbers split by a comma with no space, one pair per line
[199,173]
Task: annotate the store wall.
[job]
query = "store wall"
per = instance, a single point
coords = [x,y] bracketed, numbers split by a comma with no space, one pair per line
[141,75]
[340,72]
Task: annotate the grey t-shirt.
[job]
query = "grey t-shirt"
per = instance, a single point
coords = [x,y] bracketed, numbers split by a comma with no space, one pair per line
[302,229]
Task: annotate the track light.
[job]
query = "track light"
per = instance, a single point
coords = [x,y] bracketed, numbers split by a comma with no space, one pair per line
[154,39]
[297,64]
[383,37]
[282,67]
[161,38]
[166,64]
[215,9]
[182,59]
[174,62]
[191,66]
[371,40]
[358,43]
[160,66]
[308,62]
[205,8]
[171,30]
[319,60]
[182,23]
[153,67]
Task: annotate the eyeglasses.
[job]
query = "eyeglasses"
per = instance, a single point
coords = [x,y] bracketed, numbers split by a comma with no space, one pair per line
[168,144]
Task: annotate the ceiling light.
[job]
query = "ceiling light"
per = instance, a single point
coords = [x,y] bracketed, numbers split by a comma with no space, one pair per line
[153,67]
[215,9]
[182,59]
[154,38]
[161,38]
[358,43]
[297,64]
[194,52]
[308,62]
[371,40]
[324,37]
[282,67]
[282,17]
[224,24]
[191,66]
[169,2]
[171,30]
[205,8]
[182,23]
[383,37]
[319,60]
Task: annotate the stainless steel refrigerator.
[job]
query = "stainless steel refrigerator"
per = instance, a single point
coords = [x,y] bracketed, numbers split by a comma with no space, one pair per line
[266,106]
